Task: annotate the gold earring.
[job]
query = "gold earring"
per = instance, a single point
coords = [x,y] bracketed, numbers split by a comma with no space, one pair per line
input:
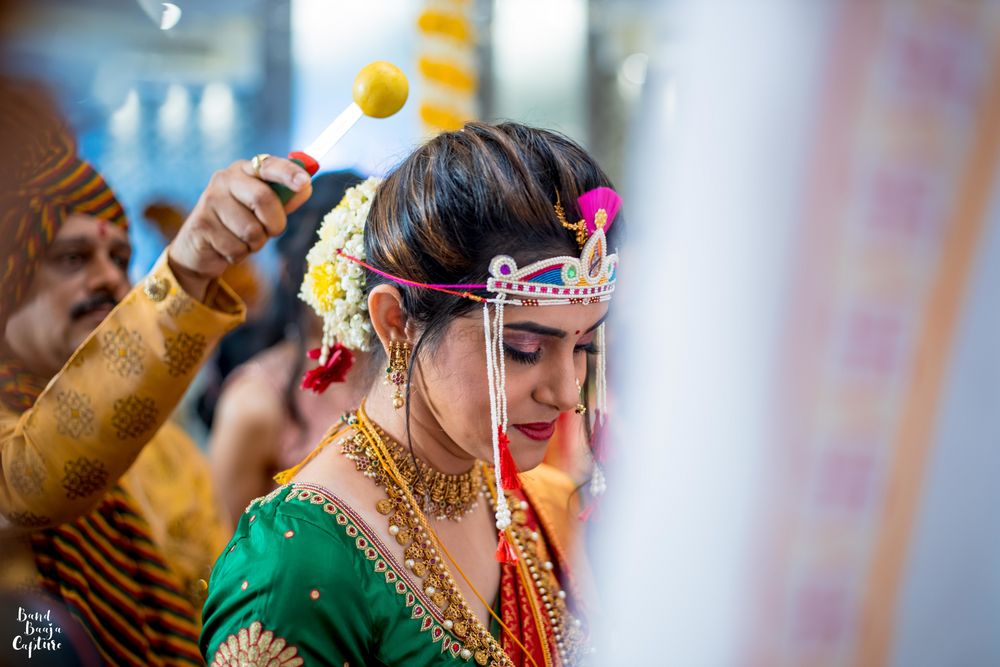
[580,409]
[399,361]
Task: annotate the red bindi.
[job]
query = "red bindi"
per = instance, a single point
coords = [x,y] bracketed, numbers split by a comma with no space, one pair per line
[577,332]
[102,228]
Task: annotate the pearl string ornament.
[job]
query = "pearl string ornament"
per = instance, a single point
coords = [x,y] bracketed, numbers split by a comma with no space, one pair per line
[496,381]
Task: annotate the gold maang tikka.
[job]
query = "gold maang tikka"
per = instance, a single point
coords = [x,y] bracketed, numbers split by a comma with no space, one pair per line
[579,227]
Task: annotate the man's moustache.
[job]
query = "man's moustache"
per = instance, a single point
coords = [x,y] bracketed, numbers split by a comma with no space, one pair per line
[92,303]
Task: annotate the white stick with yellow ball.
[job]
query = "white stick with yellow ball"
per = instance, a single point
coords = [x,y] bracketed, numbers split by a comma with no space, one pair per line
[380,90]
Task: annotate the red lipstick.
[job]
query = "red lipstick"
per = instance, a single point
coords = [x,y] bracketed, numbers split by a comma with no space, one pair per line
[537,430]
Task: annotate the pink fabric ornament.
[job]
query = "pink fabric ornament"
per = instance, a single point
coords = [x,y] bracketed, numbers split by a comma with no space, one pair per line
[593,201]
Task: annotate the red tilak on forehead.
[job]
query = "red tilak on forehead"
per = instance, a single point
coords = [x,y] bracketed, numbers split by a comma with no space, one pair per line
[102,228]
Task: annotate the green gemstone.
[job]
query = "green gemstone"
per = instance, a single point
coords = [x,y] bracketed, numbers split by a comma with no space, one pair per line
[571,273]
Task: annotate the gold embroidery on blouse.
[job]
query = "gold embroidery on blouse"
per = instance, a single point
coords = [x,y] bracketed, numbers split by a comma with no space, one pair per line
[255,647]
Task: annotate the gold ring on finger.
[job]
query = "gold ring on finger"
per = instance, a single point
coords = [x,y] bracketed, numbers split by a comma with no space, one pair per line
[257,162]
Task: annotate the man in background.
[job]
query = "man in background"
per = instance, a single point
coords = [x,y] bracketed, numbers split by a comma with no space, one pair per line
[102,503]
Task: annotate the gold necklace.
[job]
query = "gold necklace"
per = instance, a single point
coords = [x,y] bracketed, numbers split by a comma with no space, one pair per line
[408,525]
[568,631]
[443,496]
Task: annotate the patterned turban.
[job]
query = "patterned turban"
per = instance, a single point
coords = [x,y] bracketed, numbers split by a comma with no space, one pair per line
[42,181]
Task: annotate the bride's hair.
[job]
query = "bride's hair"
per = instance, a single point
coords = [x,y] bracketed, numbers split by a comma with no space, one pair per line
[463,198]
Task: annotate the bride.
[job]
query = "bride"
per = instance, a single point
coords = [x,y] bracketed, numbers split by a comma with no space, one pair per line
[479,272]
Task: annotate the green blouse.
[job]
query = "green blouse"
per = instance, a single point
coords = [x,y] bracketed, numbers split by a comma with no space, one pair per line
[306,581]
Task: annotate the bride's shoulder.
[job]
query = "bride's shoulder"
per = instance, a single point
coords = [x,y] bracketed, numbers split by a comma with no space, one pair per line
[299,502]
[303,517]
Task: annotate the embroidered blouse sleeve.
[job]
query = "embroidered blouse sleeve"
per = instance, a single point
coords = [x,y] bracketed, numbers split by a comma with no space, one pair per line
[60,457]
[289,586]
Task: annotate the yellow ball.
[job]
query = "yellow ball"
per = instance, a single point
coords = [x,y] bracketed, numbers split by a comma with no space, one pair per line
[380,89]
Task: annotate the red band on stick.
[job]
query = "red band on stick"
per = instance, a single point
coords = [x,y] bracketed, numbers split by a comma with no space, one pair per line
[308,163]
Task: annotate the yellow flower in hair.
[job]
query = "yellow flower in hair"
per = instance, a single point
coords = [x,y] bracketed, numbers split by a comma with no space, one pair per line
[326,285]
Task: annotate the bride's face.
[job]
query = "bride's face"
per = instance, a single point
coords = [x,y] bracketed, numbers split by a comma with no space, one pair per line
[545,358]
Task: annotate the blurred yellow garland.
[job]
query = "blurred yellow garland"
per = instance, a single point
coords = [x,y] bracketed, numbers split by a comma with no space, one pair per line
[447,64]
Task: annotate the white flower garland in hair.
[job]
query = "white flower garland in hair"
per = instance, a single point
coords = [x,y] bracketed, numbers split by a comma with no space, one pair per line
[333,286]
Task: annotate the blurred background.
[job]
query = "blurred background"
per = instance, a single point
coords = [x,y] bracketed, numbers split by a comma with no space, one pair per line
[806,373]
[158,110]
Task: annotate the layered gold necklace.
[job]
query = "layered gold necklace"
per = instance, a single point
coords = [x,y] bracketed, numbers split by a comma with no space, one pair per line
[379,458]
[383,460]
[440,495]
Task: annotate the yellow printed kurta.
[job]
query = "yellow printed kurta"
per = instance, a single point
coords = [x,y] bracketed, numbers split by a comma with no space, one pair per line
[172,485]
[113,539]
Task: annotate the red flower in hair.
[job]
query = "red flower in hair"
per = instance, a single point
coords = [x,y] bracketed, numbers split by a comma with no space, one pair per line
[338,362]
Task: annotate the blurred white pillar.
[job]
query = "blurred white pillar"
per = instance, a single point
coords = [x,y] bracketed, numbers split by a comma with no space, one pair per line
[717,152]
[539,63]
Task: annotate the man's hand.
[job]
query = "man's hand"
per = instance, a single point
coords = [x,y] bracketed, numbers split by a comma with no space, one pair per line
[235,216]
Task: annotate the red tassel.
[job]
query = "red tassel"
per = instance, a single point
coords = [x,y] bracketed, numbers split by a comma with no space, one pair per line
[335,369]
[505,552]
[508,469]
[588,511]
